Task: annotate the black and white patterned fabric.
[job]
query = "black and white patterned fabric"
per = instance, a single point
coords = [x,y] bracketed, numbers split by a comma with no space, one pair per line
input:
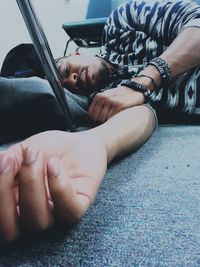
[140,30]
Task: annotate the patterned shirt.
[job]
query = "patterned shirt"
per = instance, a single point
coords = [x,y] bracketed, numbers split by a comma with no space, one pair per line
[140,30]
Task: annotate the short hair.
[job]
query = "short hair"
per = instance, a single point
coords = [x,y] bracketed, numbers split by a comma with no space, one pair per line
[59,61]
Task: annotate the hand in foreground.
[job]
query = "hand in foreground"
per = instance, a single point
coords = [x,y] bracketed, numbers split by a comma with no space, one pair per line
[52,176]
[110,102]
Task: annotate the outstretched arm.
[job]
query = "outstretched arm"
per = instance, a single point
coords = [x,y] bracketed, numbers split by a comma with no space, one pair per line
[55,175]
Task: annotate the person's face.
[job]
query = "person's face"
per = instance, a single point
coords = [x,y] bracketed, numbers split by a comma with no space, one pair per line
[82,73]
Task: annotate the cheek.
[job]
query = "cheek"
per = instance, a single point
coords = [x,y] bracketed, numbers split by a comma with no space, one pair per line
[93,73]
[95,69]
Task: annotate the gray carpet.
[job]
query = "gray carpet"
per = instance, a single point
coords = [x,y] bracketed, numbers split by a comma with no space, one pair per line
[147,212]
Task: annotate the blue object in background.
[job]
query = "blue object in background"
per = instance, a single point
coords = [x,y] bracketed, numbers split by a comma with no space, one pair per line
[101,9]
[98,9]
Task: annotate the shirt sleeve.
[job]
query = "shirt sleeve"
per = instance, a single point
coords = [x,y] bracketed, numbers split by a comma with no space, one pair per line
[146,28]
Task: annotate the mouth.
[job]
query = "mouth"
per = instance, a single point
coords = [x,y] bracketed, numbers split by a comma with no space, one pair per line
[85,79]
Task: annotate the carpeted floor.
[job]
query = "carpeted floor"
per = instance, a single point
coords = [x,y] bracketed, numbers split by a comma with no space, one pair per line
[147,212]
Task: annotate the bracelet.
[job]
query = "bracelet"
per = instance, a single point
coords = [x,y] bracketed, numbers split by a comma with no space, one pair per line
[152,80]
[163,68]
[137,87]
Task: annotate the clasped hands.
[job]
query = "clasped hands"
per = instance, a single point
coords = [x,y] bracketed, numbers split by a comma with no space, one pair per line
[50,177]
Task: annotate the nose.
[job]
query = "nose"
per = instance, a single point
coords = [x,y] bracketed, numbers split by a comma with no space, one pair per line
[71,80]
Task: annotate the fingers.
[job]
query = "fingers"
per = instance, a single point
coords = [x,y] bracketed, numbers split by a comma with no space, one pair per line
[17,154]
[9,224]
[69,196]
[103,107]
[110,102]
[103,114]
[100,113]
[35,212]
[68,205]
[95,109]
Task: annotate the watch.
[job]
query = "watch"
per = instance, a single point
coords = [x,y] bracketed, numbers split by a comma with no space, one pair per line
[137,87]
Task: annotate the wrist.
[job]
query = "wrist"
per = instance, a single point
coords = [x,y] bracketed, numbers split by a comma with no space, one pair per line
[140,96]
[151,71]
[144,81]
[137,87]
[154,75]
[163,68]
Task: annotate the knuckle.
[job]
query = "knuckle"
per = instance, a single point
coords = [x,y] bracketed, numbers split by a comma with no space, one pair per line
[97,96]
[121,107]
[101,98]
[117,105]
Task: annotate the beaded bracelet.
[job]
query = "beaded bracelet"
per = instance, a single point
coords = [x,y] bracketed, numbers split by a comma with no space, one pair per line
[137,87]
[163,68]
[152,80]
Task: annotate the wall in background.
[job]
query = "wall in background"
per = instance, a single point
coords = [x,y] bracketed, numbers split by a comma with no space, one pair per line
[52,14]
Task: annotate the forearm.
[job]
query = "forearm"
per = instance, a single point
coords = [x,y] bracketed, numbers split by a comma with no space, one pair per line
[181,56]
[126,131]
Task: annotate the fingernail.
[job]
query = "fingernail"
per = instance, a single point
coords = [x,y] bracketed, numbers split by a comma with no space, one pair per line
[30,156]
[5,165]
[53,167]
